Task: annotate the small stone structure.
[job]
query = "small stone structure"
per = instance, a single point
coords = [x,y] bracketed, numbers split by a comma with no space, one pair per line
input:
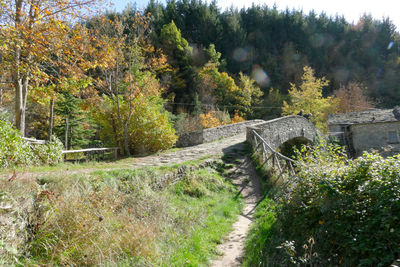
[278,131]
[212,134]
[374,129]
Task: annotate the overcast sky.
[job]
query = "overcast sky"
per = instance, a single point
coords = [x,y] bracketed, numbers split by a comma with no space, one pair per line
[351,9]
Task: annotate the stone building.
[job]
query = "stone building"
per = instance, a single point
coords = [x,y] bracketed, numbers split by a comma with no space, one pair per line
[373,129]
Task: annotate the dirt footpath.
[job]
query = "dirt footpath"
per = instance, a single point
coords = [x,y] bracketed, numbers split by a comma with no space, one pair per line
[247,180]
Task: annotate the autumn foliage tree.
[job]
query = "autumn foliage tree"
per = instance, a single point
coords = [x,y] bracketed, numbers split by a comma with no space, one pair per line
[220,89]
[41,44]
[352,97]
[130,109]
[308,97]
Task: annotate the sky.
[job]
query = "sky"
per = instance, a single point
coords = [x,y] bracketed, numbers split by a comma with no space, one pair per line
[351,9]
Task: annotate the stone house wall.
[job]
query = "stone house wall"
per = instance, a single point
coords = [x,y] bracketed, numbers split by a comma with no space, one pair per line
[375,136]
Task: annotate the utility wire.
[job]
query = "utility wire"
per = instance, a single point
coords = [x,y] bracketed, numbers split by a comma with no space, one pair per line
[220,106]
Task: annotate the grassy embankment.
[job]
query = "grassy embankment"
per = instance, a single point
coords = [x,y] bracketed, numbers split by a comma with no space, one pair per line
[121,217]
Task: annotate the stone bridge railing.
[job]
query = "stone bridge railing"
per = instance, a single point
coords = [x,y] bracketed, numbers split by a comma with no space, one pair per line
[280,130]
[216,133]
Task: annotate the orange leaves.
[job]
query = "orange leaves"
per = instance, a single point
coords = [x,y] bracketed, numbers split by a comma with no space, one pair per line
[210,120]
[237,118]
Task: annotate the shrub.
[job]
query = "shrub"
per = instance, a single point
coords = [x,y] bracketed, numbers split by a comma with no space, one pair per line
[347,208]
[237,118]
[149,126]
[334,212]
[49,153]
[209,120]
[13,149]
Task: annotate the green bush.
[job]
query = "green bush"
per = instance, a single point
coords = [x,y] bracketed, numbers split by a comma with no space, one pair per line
[15,151]
[349,208]
[149,127]
[49,153]
[337,212]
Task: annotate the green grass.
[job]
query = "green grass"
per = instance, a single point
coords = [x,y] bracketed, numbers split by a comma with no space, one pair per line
[203,209]
[116,217]
[264,228]
[95,165]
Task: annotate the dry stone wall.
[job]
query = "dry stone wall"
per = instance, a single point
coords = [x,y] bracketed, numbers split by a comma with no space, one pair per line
[216,133]
[278,131]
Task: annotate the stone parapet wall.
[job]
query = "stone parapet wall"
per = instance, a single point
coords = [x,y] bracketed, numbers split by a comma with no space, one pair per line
[278,131]
[216,133]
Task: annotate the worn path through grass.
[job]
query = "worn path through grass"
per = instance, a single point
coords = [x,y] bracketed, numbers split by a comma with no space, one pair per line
[245,177]
[178,156]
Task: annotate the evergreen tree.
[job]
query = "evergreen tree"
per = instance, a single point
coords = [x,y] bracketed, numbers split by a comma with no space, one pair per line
[80,127]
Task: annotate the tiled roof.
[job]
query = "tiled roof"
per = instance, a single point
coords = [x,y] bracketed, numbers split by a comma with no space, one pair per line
[367,116]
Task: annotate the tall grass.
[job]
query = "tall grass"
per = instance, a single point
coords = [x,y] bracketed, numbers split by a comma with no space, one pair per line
[118,217]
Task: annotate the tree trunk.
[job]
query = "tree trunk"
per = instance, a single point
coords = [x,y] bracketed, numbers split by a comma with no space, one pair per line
[51,118]
[126,141]
[66,134]
[21,94]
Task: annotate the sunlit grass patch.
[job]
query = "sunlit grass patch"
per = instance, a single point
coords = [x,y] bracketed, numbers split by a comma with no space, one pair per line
[118,217]
[203,210]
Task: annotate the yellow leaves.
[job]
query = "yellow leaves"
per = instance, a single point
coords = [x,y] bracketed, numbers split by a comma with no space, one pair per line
[209,120]
[308,97]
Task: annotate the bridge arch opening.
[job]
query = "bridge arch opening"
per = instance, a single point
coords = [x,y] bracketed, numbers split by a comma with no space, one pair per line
[288,148]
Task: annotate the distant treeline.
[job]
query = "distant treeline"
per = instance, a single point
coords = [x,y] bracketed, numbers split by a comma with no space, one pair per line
[279,43]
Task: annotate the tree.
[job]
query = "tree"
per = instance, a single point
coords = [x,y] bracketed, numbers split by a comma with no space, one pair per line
[352,98]
[129,75]
[308,97]
[179,55]
[219,88]
[273,104]
[80,129]
[38,34]
[249,95]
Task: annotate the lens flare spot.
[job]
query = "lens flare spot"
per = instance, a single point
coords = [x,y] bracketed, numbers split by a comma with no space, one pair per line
[317,40]
[342,74]
[240,54]
[260,76]
[390,45]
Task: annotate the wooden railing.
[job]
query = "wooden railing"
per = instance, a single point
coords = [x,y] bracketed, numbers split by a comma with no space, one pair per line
[93,151]
[269,154]
[35,141]
[90,151]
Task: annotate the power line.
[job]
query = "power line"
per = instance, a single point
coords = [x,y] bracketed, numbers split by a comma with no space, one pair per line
[221,106]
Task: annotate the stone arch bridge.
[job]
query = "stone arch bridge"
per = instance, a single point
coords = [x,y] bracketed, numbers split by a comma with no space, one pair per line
[278,131]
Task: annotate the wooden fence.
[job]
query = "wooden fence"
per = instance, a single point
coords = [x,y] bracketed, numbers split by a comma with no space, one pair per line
[272,157]
[92,151]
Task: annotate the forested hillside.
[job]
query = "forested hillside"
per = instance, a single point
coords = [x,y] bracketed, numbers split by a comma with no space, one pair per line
[137,79]
[273,45]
